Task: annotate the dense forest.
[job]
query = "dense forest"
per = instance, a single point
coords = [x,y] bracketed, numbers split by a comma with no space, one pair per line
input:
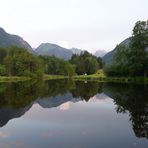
[131,60]
[16,61]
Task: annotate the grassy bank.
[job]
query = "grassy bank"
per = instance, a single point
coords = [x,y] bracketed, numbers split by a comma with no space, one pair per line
[96,77]
[100,77]
[13,79]
[17,78]
[54,77]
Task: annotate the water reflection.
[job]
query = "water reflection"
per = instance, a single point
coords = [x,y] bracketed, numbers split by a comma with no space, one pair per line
[18,98]
[132,99]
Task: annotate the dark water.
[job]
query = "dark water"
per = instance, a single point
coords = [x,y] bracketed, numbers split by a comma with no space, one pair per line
[66,114]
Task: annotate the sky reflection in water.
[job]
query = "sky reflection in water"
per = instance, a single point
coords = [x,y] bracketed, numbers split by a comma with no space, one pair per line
[73,115]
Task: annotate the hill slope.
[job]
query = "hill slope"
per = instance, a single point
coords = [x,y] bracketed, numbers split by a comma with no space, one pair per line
[76,51]
[8,40]
[55,50]
[108,58]
[100,53]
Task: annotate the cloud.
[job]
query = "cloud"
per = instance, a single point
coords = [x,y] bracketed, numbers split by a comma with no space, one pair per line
[65,106]
[4,134]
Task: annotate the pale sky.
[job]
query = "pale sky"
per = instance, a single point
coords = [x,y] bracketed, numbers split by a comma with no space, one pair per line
[85,24]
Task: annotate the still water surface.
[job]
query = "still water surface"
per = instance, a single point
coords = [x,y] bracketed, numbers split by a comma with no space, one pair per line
[67,114]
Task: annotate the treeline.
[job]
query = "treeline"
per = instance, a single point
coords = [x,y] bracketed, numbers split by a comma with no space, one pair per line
[86,63]
[132,60]
[19,62]
[56,66]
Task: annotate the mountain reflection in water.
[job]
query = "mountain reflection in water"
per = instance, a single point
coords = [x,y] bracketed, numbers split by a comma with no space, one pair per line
[17,98]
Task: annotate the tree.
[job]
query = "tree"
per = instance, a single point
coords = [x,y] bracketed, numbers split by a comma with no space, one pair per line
[86,63]
[100,62]
[132,60]
[3,54]
[8,62]
[91,65]
[19,62]
[56,66]
[2,70]
[137,53]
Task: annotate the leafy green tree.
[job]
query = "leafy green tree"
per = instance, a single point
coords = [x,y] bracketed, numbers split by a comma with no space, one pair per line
[56,66]
[100,62]
[86,63]
[79,63]
[19,62]
[137,52]
[2,70]
[3,53]
[132,60]
[8,62]
[91,65]
[120,65]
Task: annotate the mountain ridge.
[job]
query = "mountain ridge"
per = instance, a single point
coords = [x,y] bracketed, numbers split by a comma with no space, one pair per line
[7,40]
[108,58]
[100,53]
[53,50]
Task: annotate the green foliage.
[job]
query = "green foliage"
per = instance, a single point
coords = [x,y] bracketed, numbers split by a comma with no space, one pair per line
[3,54]
[19,62]
[91,65]
[86,63]
[132,60]
[2,70]
[100,62]
[137,54]
[56,66]
[116,70]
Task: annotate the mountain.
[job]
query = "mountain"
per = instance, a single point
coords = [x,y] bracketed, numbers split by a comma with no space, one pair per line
[76,51]
[8,40]
[55,50]
[108,58]
[100,53]
[56,101]
[7,114]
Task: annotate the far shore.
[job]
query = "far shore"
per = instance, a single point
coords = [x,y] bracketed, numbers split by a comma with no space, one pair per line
[93,77]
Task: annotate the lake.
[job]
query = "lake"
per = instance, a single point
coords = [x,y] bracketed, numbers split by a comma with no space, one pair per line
[68,114]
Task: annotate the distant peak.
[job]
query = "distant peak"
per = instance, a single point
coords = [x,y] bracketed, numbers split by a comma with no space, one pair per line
[47,44]
[2,30]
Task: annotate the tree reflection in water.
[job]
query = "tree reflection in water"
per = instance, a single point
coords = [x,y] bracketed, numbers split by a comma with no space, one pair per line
[17,98]
[132,99]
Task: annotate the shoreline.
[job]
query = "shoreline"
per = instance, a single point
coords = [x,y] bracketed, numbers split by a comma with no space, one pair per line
[14,78]
[128,80]
[94,77]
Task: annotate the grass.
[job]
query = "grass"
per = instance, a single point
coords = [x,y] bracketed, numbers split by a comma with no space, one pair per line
[99,76]
[20,78]
[54,77]
[13,79]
